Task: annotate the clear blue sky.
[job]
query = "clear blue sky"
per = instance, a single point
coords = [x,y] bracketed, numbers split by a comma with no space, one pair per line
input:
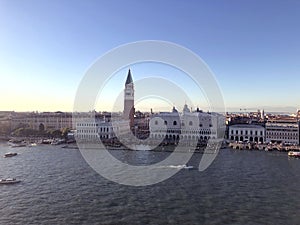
[253,47]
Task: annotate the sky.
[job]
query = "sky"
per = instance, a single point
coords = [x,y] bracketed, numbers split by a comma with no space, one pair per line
[251,47]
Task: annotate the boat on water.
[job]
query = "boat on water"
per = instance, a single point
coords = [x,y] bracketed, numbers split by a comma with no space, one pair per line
[32,144]
[46,141]
[58,141]
[294,154]
[9,181]
[16,141]
[17,145]
[10,154]
[181,167]
[187,167]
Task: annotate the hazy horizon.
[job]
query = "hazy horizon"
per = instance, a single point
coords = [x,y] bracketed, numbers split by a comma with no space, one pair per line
[279,110]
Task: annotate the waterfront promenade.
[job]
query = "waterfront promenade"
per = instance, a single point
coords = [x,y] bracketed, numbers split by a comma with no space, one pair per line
[265,147]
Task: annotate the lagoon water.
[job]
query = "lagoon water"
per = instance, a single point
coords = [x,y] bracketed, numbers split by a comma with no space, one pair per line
[59,187]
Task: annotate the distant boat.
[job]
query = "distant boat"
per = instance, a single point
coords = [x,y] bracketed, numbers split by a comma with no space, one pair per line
[17,145]
[10,154]
[181,167]
[9,181]
[58,141]
[187,167]
[32,144]
[47,141]
[294,154]
[15,141]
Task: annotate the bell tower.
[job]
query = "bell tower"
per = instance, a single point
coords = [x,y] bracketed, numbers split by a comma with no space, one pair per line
[128,112]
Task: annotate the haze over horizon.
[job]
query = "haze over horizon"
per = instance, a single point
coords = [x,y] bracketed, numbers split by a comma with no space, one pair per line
[251,47]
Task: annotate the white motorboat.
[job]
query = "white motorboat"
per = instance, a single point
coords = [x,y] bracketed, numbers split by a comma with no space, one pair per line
[294,154]
[9,181]
[187,167]
[181,167]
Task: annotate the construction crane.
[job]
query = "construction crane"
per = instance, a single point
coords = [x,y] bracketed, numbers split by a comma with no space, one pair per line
[248,109]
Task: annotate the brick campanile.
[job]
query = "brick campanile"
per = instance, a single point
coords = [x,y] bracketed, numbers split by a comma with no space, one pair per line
[128,112]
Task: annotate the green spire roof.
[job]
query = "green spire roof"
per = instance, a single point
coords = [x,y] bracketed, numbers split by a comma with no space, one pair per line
[129,78]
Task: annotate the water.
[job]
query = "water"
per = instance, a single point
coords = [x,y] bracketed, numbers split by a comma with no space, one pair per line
[240,187]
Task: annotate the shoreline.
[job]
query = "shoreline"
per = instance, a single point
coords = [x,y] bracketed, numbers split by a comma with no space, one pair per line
[163,148]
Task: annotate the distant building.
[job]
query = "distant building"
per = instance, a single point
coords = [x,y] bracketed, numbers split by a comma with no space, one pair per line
[283,129]
[186,126]
[5,122]
[96,129]
[104,127]
[141,125]
[282,132]
[44,121]
[247,132]
[257,118]
[298,122]
[128,112]
[169,126]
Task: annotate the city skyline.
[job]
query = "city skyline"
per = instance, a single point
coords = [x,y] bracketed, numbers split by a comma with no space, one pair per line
[251,47]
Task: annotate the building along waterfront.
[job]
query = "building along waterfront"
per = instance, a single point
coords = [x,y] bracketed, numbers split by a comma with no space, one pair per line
[247,133]
[287,133]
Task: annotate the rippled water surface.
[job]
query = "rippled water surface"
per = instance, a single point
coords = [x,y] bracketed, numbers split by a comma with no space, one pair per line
[240,187]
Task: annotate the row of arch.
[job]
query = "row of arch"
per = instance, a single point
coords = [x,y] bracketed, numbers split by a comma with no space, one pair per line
[101,130]
[177,137]
[250,139]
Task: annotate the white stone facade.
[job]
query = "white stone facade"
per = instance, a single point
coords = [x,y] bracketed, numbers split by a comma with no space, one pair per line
[93,129]
[186,126]
[247,133]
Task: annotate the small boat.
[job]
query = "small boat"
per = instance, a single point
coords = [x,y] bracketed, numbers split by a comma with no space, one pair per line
[17,145]
[16,141]
[57,141]
[187,167]
[47,141]
[9,181]
[182,167]
[294,154]
[10,154]
[32,144]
